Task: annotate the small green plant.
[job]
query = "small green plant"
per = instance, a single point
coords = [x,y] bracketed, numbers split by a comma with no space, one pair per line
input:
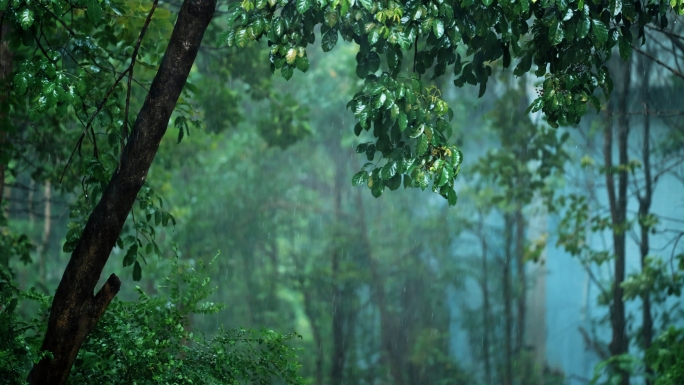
[149,341]
[666,357]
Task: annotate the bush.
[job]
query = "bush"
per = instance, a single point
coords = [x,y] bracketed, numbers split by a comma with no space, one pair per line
[149,341]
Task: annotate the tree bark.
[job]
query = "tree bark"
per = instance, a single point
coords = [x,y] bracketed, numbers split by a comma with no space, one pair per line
[5,70]
[338,312]
[485,306]
[47,227]
[645,201]
[508,301]
[75,310]
[618,210]
[520,270]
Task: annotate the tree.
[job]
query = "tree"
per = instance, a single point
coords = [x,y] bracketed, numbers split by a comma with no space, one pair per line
[409,120]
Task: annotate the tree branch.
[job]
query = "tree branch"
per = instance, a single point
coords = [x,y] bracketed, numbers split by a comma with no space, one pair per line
[648,55]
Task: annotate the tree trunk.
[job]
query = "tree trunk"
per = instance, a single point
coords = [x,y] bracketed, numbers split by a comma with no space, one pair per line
[5,70]
[47,227]
[388,328]
[645,201]
[508,302]
[338,312]
[618,210]
[485,307]
[520,270]
[75,310]
[318,340]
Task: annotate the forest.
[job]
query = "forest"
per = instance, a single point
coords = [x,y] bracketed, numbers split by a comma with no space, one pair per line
[342,192]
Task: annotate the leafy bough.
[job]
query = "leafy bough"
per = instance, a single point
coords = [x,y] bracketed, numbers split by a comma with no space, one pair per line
[569,42]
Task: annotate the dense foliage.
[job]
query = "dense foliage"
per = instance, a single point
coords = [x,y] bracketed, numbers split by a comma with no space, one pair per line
[569,42]
[371,288]
[149,341]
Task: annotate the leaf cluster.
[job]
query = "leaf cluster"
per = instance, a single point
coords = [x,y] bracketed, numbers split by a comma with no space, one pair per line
[568,41]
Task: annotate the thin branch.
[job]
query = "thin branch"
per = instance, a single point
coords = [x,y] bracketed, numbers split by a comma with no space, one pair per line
[666,32]
[674,71]
[651,112]
[111,89]
[674,249]
[130,74]
[71,32]
[90,121]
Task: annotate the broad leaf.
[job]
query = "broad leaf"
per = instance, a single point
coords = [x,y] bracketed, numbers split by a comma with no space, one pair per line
[600,31]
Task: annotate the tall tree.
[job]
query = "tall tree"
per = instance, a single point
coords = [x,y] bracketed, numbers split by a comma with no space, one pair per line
[75,310]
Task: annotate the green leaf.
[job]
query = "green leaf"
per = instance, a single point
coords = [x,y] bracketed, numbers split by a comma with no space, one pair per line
[181,133]
[131,255]
[331,17]
[389,170]
[524,66]
[438,28]
[370,152]
[368,4]
[94,11]
[600,31]
[394,182]
[625,47]
[360,178]
[487,3]
[421,145]
[287,72]
[556,34]
[26,18]
[373,62]
[303,5]
[302,63]
[403,121]
[446,175]
[483,89]
[583,28]
[525,5]
[394,58]
[20,83]
[452,198]
[374,36]
[344,6]
[329,40]
[137,271]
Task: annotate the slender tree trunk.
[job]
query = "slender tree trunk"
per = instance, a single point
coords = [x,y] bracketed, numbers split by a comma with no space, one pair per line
[508,301]
[338,313]
[75,310]
[520,269]
[316,331]
[388,327]
[311,315]
[47,227]
[644,246]
[5,71]
[645,201]
[485,309]
[618,209]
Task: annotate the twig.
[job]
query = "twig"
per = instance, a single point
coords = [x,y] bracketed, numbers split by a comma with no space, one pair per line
[666,32]
[674,71]
[674,248]
[130,76]
[90,121]
[111,89]
[60,21]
